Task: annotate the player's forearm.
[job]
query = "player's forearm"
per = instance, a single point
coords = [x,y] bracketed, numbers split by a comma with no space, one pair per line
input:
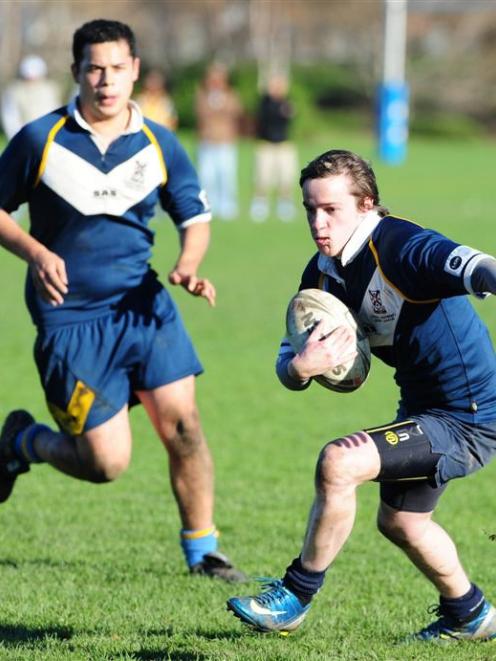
[194,245]
[16,240]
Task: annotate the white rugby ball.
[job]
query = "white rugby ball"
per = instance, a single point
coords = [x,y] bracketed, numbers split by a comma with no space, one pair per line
[305,310]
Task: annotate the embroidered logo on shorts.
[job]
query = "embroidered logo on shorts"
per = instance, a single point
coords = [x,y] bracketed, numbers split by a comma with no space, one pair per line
[391,437]
[394,438]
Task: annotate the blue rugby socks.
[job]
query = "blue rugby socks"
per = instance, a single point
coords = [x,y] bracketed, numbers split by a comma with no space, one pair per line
[464,608]
[301,582]
[24,443]
[196,543]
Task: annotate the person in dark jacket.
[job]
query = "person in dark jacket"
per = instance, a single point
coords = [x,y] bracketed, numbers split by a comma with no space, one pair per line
[276,159]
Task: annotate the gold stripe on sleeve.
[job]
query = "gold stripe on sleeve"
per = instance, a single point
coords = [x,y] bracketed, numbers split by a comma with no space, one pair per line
[51,137]
[151,136]
[378,264]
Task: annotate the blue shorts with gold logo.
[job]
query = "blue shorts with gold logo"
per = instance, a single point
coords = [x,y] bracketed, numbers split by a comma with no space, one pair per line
[90,370]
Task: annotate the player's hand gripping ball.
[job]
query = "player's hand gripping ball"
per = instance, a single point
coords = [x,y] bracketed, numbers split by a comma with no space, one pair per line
[305,310]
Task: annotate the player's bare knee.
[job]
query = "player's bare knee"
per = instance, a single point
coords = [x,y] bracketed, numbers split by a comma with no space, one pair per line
[101,471]
[333,469]
[184,436]
[189,439]
[343,462]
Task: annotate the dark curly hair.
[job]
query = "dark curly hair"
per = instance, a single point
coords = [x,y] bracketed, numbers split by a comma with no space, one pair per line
[100,31]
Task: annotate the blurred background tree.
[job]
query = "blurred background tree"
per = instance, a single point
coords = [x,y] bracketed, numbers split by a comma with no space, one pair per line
[332,51]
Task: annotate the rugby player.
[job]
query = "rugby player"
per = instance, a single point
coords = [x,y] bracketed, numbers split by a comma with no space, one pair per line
[408,285]
[108,333]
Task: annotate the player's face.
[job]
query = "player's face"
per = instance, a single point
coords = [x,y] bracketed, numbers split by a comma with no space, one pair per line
[106,76]
[333,212]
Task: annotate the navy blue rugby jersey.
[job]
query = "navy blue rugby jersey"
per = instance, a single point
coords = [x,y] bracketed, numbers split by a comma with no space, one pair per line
[408,287]
[92,205]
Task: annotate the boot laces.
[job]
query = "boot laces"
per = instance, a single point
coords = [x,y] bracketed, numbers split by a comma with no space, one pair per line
[273,591]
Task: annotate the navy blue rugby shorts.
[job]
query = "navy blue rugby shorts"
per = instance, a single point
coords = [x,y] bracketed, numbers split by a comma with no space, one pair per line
[90,370]
[421,454]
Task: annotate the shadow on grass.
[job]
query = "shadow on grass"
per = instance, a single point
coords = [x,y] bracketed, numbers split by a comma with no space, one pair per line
[152,655]
[114,570]
[165,652]
[7,562]
[44,562]
[15,633]
[208,634]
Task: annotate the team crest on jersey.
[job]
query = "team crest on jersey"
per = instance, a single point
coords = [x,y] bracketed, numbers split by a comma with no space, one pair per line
[137,179]
[375,299]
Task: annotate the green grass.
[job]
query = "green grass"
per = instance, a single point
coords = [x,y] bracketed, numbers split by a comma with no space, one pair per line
[95,572]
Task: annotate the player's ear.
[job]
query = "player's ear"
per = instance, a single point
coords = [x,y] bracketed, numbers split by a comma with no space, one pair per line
[74,71]
[366,204]
[136,68]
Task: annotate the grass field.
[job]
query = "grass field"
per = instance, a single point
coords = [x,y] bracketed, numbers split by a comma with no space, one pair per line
[95,572]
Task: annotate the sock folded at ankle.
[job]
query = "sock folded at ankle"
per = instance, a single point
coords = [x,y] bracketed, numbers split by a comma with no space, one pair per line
[24,443]
[301,582]
[196,543]
[464,608]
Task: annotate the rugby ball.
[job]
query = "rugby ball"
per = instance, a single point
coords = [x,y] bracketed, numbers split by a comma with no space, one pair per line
[305,310]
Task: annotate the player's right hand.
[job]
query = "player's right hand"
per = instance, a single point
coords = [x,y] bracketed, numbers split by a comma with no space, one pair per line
[49,276]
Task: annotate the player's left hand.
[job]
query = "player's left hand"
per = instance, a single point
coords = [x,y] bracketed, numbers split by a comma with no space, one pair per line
[194,285]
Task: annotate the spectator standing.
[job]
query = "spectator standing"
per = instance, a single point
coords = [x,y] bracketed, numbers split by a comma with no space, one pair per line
[32,95]
[276,159]
[155,100]
[218,112]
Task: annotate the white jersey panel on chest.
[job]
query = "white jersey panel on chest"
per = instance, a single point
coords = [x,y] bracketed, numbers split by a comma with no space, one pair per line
[380,311]
[91,191]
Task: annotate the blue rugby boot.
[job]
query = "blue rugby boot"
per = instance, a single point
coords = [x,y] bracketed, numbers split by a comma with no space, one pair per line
[446,630]
[10,464]
[275,609]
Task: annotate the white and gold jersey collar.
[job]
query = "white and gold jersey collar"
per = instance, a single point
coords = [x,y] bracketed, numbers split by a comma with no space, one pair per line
[355,243]
[135,122]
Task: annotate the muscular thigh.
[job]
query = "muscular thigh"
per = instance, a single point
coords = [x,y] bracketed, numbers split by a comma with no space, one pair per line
[82,372]
[411,495]
[408,467]
[405,451]
[170,405]
[108,445]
